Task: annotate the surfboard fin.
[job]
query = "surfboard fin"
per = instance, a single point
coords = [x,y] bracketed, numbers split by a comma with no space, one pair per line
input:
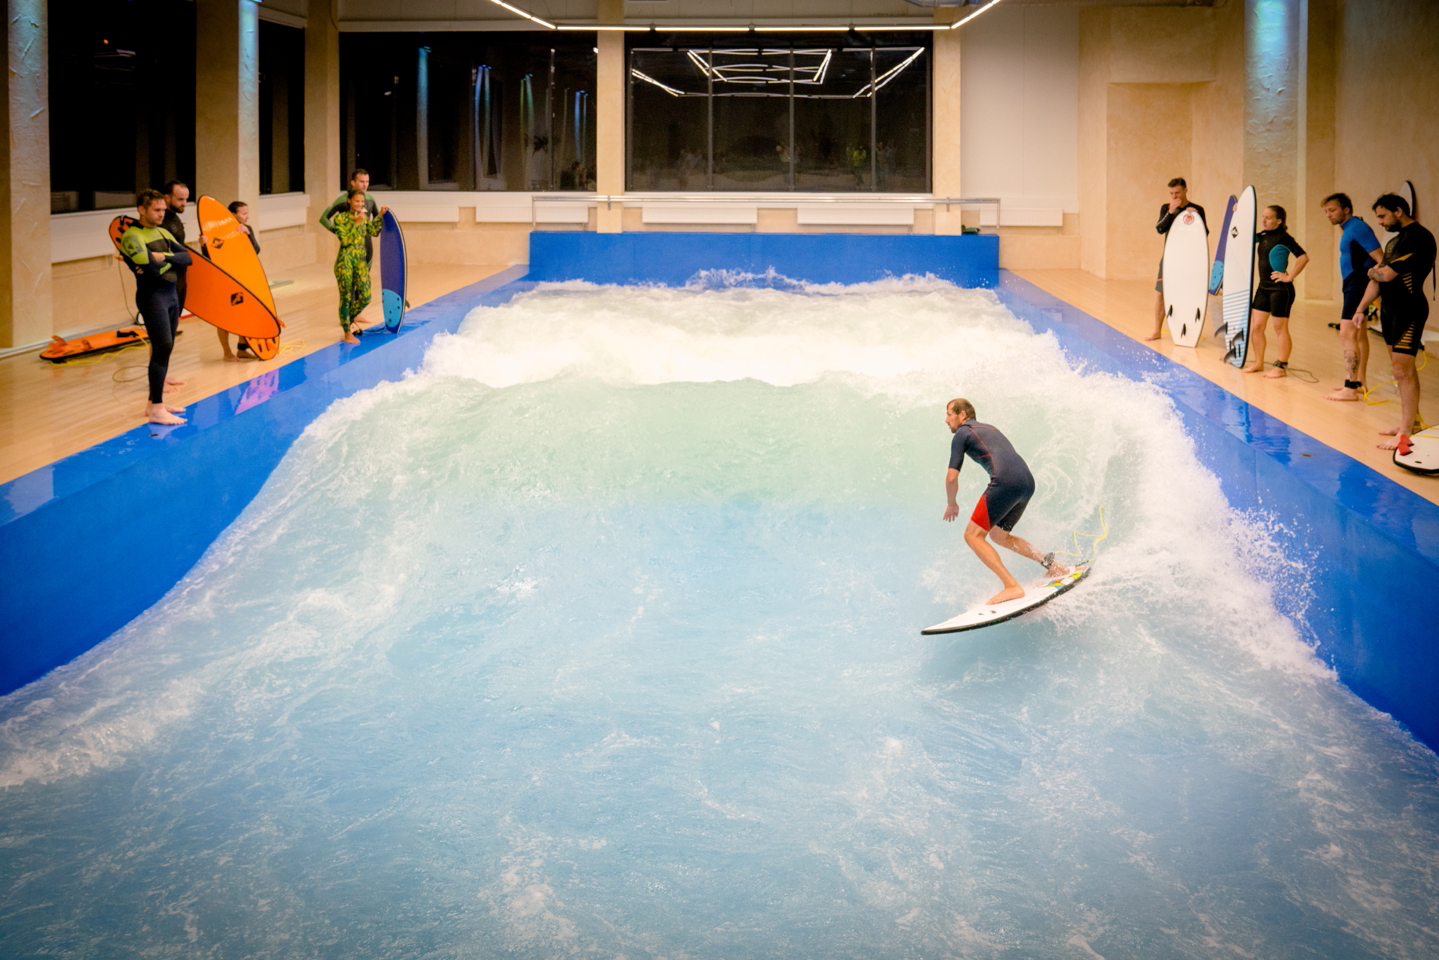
[1406,446]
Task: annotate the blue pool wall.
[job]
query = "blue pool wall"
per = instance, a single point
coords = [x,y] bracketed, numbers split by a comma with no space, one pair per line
[90,542]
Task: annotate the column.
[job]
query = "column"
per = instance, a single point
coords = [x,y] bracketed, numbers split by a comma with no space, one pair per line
[323,175]
[227,95]
[26,314]
[1271,101]
[610,116]
[1317,95]
[945,122]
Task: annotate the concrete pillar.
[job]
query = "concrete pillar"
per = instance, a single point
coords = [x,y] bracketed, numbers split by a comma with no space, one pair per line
[1271,102]
[944,122]
[1319,72]
[610,116]
[323,177]
[26,314]
[227,99]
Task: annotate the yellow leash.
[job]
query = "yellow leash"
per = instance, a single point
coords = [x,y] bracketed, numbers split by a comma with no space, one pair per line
[1094,538]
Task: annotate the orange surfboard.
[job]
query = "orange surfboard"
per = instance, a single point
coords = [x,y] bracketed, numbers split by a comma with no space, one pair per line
[229,246]
[216,297]
[61,349]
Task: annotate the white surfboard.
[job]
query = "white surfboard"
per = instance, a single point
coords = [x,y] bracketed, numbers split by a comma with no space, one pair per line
[1239,278]
[1035,595]
[1186,277]
[1421,453]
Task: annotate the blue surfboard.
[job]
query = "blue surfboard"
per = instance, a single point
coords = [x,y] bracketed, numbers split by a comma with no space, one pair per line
[394,272]
[1216,274]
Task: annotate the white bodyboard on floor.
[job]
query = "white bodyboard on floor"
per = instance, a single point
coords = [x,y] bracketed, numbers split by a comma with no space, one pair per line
[1035,595]
[1419,452]
[1186,277]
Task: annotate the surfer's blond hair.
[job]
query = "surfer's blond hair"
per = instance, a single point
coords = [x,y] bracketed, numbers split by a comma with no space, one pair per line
[960,405]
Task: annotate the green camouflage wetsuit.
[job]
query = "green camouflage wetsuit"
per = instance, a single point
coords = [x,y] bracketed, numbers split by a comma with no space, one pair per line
[352,270]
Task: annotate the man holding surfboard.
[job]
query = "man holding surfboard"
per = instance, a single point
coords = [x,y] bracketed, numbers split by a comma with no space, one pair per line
[1408,261]
[157,258]
[1003,501]
[1178,201]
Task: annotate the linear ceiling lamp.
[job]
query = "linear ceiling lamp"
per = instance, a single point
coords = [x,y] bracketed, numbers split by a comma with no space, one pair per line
[744,28]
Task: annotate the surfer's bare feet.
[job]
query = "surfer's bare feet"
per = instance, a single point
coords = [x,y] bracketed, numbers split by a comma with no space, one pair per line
[231,358]
[159,413]
[1391,444]
[1252,368]
[1276,373]
[1153,336]
[1391,432]
[1344,393]
[1008,593]
[174,409]
[351,338]
[1057,569]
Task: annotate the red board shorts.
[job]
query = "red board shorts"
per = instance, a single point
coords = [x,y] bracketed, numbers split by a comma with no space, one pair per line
[1002,504]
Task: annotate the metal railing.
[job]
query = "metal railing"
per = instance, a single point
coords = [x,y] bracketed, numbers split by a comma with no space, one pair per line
[768,200]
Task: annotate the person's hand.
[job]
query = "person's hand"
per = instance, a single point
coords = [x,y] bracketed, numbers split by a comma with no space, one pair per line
[384,210]
[158,255]
[950,512]
[1280,277]
[1174,206]
[1358,320]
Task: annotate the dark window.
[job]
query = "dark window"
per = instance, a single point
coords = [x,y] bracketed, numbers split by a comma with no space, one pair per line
[282,108]
[122,100]
[787,115]
[469,111]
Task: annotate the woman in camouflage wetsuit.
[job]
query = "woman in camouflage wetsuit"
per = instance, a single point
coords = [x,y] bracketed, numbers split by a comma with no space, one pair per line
[352,271]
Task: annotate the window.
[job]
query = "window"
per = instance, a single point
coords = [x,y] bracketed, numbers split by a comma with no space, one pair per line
[469,111]
[282,108]
[789,115]
[111,135]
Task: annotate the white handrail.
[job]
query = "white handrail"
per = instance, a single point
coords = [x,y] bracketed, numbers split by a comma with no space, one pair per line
[785,199]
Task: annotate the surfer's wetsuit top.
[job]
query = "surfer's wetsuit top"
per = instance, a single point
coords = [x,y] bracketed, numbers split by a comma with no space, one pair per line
[176,228]
[1166,220]
[1356,242]
[155,282]
[1275,297]
[342,205]
[1405,308]
[1010,482]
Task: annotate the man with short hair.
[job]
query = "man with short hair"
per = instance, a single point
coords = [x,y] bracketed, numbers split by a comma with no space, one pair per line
[177,194]
[156,257]
[1178,202]
[1408,261]
[1003,501]
[359,180]
[1357,247]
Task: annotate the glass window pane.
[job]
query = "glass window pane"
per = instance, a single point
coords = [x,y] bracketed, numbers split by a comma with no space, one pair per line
[902,130]
[669,120]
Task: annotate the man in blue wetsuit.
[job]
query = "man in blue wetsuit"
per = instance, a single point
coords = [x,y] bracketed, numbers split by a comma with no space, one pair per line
[1003,501]
[1357,248]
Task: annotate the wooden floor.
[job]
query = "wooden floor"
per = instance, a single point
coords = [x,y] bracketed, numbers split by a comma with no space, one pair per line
[50,411]
[1351,428]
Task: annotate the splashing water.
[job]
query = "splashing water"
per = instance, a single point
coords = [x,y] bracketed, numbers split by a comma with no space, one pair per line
[598,637]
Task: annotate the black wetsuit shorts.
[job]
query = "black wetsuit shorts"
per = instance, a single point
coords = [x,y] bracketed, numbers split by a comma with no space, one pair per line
[1275,301]
[1403,330]
[1002,504]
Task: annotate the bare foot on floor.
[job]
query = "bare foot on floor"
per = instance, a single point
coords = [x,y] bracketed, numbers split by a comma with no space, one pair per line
[351,338]
[1252,368]
[1008,593]
[174,409]
[1344,393]
[1391,444]
[1276,373]
[172,382]
[157,413]
[1153,336]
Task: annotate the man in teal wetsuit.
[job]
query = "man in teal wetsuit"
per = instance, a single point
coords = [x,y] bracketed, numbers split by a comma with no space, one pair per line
[1003,501]
[157,258]
[359,180]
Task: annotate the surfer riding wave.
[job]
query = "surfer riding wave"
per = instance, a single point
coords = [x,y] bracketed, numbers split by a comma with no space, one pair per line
[1003,501]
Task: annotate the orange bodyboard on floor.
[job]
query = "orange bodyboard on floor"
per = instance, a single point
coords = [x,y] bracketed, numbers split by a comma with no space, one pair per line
[61,349]
[216,297]
[230,248]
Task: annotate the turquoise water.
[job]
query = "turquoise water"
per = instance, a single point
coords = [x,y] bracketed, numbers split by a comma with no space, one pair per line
[599,637]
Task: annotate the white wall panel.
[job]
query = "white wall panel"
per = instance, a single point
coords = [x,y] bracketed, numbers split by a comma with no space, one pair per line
[1019,133]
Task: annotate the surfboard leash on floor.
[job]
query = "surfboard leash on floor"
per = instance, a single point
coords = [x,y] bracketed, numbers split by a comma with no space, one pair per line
[1094,540]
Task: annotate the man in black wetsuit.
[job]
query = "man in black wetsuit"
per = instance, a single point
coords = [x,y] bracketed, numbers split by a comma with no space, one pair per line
[156,258]
[176,196]
[1408,261]
[1178,201]
[1003,501]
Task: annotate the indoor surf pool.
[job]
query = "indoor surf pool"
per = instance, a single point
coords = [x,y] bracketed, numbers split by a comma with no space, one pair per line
[598,636]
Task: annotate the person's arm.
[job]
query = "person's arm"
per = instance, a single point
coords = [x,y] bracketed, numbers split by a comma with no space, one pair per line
[373,226]
[951,489]
[1371,293]
[141,257]
[180,254]
[327,218]
[1300,262]
[1166,218]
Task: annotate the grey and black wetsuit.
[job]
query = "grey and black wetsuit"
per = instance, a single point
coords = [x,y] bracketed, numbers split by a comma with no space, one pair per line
[1010,482]
[155,282]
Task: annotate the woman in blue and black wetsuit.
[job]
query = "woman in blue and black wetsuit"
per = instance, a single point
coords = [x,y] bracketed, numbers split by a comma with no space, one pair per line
[154,254]
[1274,296]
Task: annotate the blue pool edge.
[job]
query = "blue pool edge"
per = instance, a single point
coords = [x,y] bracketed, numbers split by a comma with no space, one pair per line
[1372,545]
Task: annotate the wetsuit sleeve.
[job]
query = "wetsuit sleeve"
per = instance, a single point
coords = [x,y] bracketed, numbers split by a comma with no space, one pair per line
[1202,218]
[180,254]
[327,219]
[1364,236]
[254,240]
[957,447]
[134,249]
[1166,219]
[1294,246]
[371,207]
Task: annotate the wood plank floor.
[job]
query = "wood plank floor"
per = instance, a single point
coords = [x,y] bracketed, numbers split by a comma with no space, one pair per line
[50,411]
[1351,428]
